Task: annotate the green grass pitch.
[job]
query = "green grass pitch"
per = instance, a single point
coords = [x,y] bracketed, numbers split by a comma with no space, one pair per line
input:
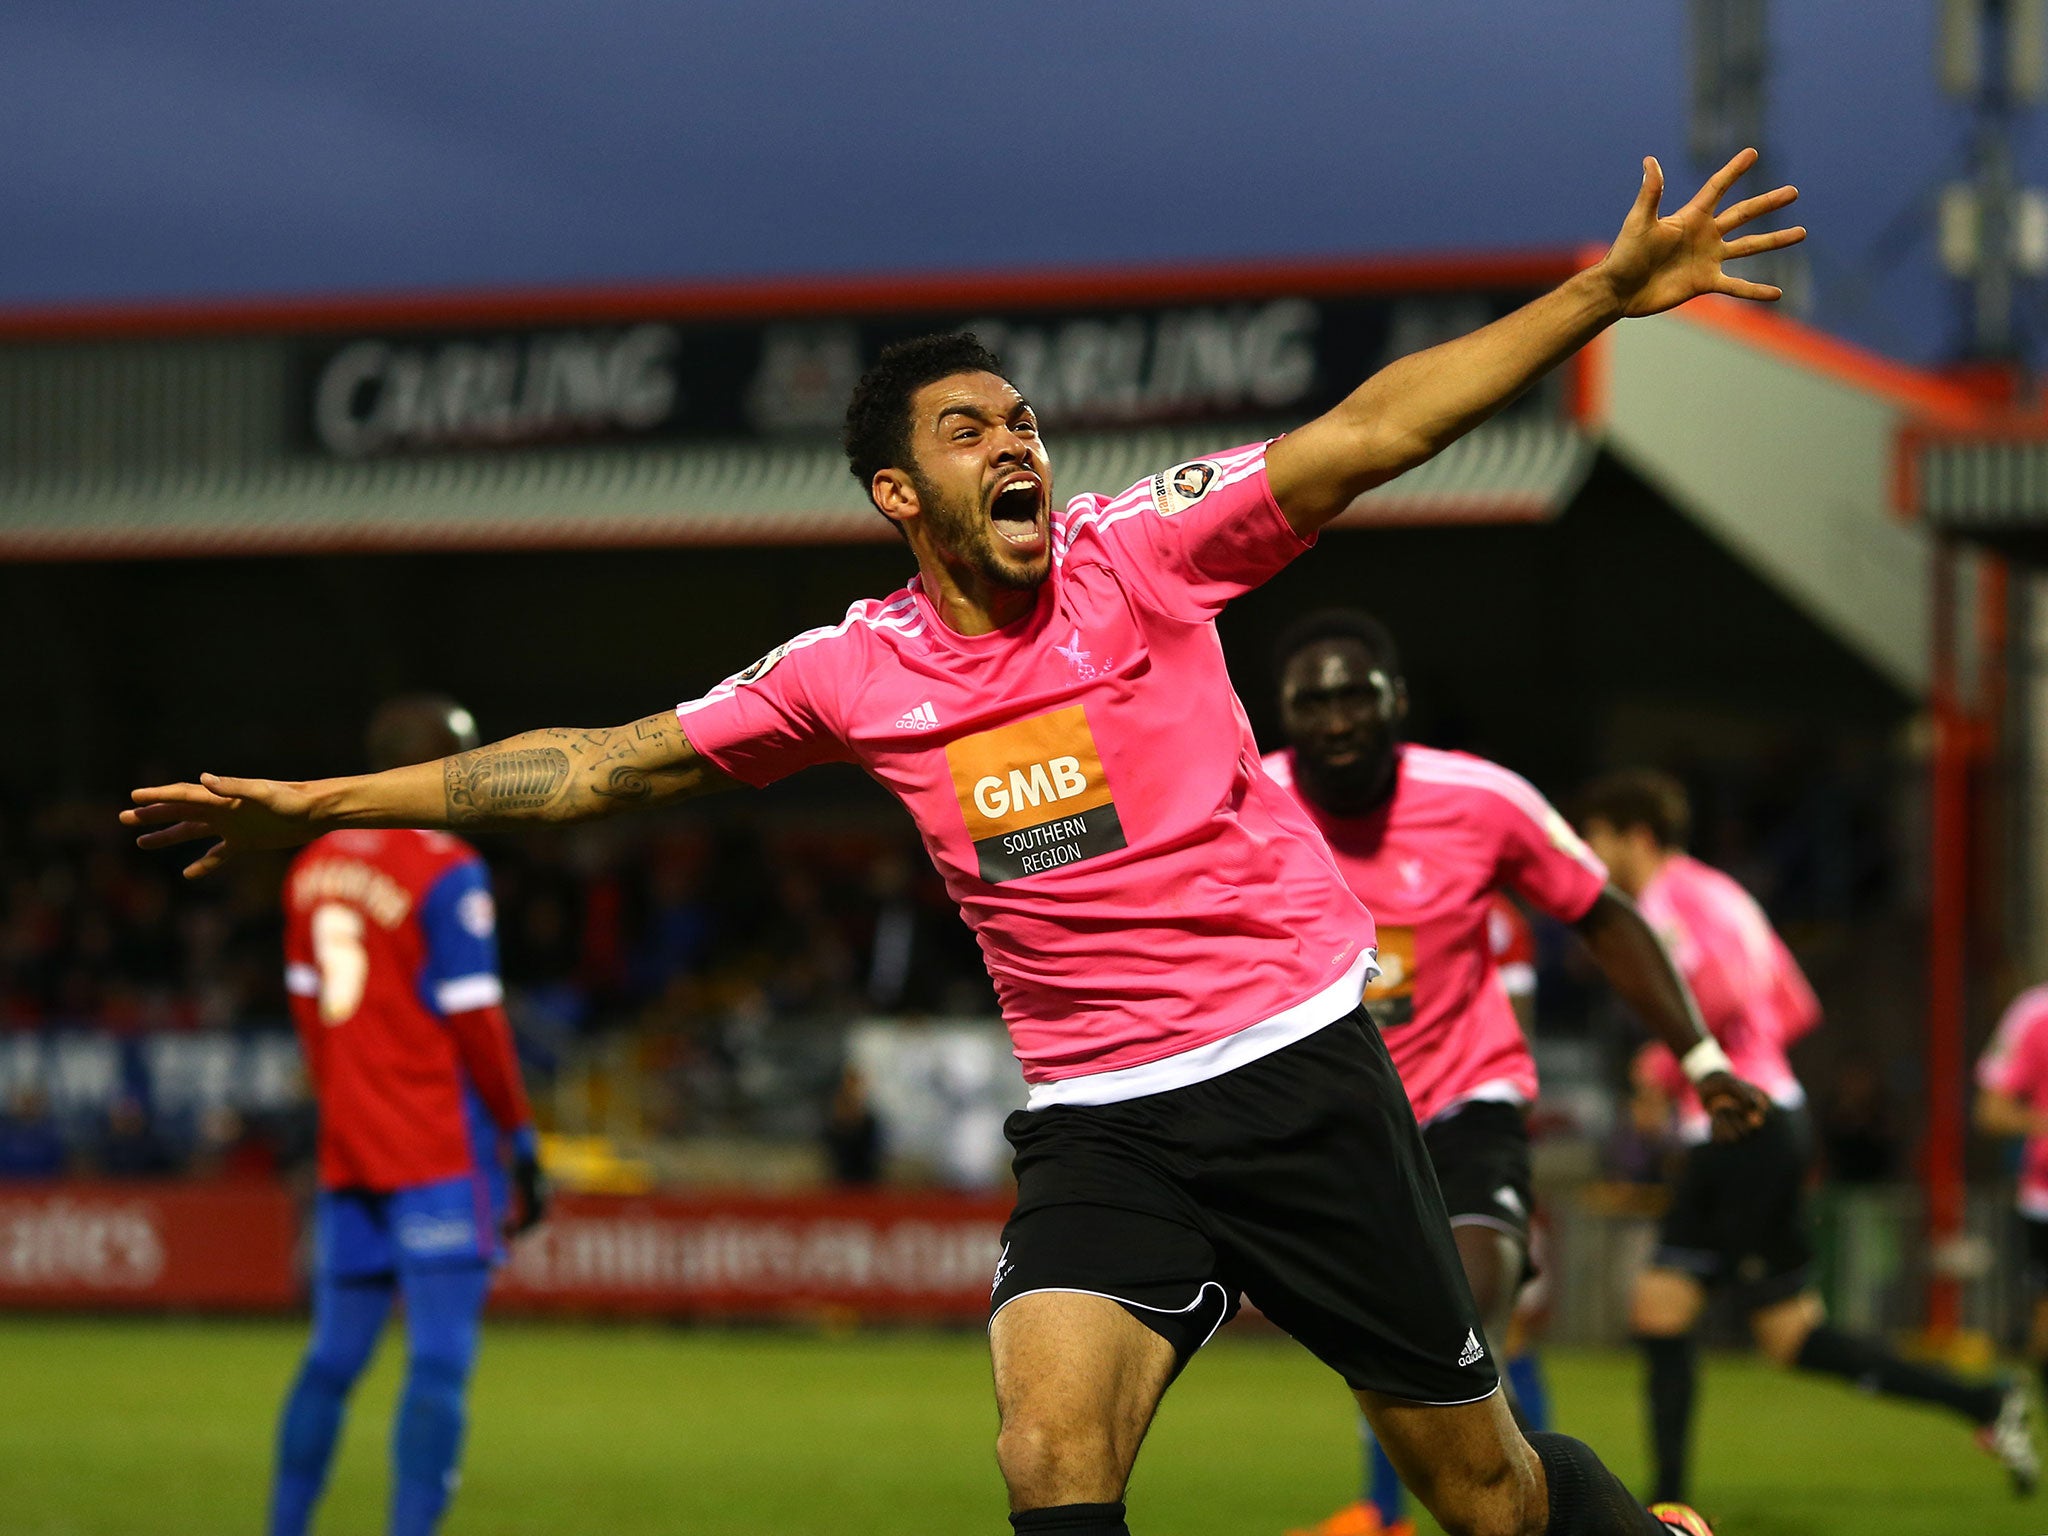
[146,1428]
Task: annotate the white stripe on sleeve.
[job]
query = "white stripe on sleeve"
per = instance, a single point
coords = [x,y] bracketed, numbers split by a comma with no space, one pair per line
[459,994]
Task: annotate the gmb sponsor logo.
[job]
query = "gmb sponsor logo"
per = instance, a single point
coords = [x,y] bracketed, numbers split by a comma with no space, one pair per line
[1034,795]
[1059,779]
[1391,994]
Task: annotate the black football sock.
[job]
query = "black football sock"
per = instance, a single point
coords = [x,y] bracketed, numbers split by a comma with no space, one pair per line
[1072,1520]
[1673,1386]
[1585,1498]
[1872,1366]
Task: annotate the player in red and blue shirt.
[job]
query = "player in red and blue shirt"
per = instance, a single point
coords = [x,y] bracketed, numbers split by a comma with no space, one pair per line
[391,963]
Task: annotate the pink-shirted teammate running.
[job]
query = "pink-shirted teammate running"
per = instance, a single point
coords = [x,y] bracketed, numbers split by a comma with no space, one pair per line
[1738,1209]
[1429,841]
[1211,1112]
[2012,1100]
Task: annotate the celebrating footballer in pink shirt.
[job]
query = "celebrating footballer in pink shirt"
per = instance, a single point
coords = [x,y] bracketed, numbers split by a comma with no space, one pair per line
[1212,1113]
[1737,1217]
[1429,841]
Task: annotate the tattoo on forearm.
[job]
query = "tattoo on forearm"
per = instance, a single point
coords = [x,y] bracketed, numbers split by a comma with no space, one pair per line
[624,783]
[570,775]
[491,782]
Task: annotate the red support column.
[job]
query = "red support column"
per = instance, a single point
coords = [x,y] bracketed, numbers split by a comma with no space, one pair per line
[1993,783]
[1947,953]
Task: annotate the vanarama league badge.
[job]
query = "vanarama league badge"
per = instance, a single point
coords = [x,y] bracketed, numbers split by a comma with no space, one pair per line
[760,668]
[1176,489]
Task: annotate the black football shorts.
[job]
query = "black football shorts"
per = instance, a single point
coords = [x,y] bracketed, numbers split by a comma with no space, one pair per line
[1299,1181]
[1480,1152]
[1738,1213]
[2034,1240]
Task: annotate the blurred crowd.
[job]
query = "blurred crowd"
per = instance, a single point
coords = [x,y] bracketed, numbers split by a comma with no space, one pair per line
[599,931]
[93,932]
[682,941]
[716,961]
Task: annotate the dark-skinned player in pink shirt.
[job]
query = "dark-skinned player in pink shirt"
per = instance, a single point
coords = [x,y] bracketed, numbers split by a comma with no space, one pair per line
[1429,841]
[1211,1114]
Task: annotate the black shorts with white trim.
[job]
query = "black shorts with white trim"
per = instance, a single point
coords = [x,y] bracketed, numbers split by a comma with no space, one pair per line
[1299,1182]
[1738,1213]
[1480,1151]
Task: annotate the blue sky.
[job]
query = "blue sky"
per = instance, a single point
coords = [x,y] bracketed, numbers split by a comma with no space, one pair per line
[157,151]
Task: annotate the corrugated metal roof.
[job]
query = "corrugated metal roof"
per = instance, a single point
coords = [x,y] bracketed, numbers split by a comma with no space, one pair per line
[200,439]
[135,498]
[1982,482]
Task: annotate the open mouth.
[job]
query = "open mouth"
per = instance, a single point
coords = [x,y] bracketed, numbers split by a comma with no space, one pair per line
[1016,510]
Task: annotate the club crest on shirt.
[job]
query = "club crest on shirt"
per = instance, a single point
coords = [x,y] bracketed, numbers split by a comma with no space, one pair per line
[1175,490]
[759,669]
[1034,795]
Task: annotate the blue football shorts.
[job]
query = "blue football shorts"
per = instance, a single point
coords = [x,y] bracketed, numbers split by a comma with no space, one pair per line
[362,1234]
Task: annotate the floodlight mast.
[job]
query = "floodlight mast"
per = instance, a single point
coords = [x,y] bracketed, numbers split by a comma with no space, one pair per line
[1731,77]
[1994,233]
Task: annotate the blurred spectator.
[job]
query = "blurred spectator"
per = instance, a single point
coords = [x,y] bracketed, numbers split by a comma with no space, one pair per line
[1859,1125]
[130,1144]
[921,957]
[228,1147]
[30,1147]
[93,932]
[853,1133]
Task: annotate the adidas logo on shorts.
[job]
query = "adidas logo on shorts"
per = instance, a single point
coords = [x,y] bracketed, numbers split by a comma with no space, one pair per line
[1474,1351]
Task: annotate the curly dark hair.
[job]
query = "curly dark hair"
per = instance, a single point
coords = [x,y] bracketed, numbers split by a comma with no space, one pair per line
[1639,797]
[877,433]
[1352,624]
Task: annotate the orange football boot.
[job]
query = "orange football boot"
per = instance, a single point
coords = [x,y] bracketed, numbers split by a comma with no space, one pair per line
[1358,1519]
[1682,1518]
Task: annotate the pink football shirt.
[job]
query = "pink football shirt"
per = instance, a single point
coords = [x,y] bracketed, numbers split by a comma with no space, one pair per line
[1753,997]
[2016,1065]
[1429,863]
[1153,908]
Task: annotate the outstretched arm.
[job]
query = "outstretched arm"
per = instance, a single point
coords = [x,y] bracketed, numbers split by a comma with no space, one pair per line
[1639,968]
[540,777]
[1418,405]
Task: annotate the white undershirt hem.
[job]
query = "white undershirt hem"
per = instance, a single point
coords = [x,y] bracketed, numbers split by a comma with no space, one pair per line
[1217,1056]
